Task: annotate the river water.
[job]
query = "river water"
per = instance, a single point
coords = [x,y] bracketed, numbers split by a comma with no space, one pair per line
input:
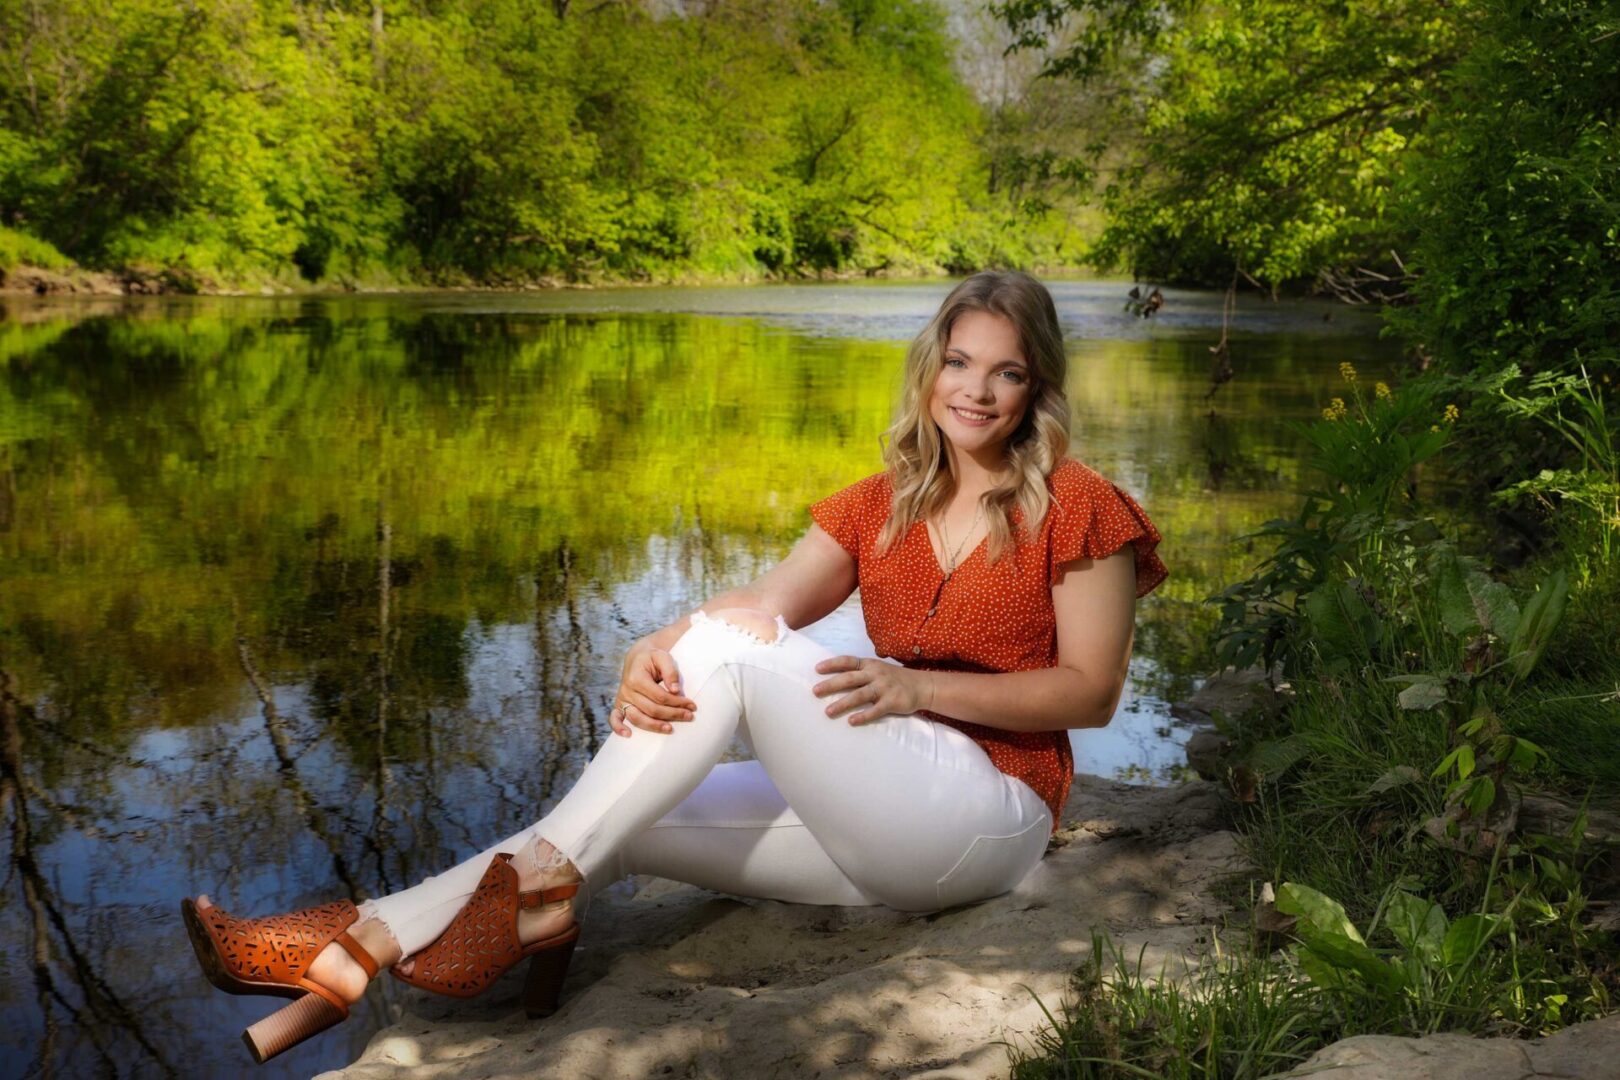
[302,598]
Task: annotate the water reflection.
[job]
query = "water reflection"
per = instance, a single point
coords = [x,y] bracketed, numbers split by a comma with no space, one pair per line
[301,599]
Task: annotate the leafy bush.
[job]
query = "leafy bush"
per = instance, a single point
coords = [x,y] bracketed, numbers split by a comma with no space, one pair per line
[1422,696]
[1588,512]
[1254,1012]
[1356,534]
[1472,973]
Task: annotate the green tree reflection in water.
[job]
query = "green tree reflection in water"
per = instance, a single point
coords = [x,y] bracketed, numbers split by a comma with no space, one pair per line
[308,599]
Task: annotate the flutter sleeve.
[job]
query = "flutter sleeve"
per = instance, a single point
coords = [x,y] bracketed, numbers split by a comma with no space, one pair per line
[1097,519]
[844,514]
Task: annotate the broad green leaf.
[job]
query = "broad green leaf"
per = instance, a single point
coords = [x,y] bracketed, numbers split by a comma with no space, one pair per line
[1470,599]
[1537,623]
[1322,971]
[1467,935]
[1521,753]
[1493,604]
[1462,758]
[1353,956]
[1419,925]
[1423,695]
[1316,910]
[1456,608]
[1341,622]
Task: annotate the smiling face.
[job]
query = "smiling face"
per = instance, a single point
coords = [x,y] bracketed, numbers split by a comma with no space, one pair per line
[984,387]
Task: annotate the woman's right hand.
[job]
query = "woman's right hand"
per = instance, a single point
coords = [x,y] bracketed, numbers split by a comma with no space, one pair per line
[650,687]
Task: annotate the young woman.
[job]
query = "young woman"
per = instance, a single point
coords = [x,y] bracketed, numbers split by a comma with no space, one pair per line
[992,568]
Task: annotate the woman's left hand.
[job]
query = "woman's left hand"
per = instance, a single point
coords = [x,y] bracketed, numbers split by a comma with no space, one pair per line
[885,689]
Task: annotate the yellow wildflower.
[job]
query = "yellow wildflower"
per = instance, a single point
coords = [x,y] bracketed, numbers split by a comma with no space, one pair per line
[1334,411]
[1434,427]
[1451,414]
[1348,370]
[1381,389]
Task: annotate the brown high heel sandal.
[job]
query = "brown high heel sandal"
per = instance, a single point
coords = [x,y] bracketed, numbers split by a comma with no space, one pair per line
[271,956]
[481,943]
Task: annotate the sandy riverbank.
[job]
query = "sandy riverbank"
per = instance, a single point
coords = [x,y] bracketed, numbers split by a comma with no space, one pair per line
[676,981]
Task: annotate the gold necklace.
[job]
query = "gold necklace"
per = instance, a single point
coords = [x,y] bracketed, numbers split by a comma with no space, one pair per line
[944,536]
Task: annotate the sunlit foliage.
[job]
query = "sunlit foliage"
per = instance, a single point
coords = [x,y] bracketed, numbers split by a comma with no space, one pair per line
[219,143]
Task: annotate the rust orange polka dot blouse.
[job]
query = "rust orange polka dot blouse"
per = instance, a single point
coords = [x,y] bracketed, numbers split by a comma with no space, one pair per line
[989,618]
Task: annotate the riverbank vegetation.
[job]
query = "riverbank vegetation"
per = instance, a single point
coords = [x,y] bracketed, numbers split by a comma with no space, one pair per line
[214,144]
[1433,812]
[1355,149]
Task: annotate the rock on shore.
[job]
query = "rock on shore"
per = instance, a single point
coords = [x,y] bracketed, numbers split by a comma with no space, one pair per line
[1589,1051]
[676,981]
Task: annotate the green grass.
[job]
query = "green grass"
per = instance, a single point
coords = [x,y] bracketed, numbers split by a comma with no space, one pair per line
[18,248]
[1578,723]
[1231,1018]
[1336,821]
[1573,710]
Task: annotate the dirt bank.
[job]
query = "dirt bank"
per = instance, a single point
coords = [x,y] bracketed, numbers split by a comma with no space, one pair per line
[675,981]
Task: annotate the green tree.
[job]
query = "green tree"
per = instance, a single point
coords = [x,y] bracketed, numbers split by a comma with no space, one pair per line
[1260,137]
[492,141]
[1514,213]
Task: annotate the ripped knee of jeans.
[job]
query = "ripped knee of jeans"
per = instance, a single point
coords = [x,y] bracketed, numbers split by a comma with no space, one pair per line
[757,624]
[367,909]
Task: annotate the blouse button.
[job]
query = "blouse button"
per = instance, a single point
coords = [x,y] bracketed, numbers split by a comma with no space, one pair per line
[931,611]
[916,650]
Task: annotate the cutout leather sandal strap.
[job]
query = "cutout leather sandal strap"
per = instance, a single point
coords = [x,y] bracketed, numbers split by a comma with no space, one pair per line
[358,951]
[329,996]
[547,896]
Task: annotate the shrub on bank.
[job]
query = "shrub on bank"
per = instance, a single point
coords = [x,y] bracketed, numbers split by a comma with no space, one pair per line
[1437,702]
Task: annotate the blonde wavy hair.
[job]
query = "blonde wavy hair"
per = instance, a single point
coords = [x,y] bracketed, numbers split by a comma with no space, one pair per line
[914,451]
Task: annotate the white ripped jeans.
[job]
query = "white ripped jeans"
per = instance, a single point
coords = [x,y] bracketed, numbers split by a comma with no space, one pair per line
[901,811]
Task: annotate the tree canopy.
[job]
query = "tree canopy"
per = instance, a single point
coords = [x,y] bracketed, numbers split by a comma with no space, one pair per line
[494,141]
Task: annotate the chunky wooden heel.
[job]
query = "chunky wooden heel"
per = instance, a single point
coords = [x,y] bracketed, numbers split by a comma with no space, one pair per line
[272,956]
[291,1025]
[547,970]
